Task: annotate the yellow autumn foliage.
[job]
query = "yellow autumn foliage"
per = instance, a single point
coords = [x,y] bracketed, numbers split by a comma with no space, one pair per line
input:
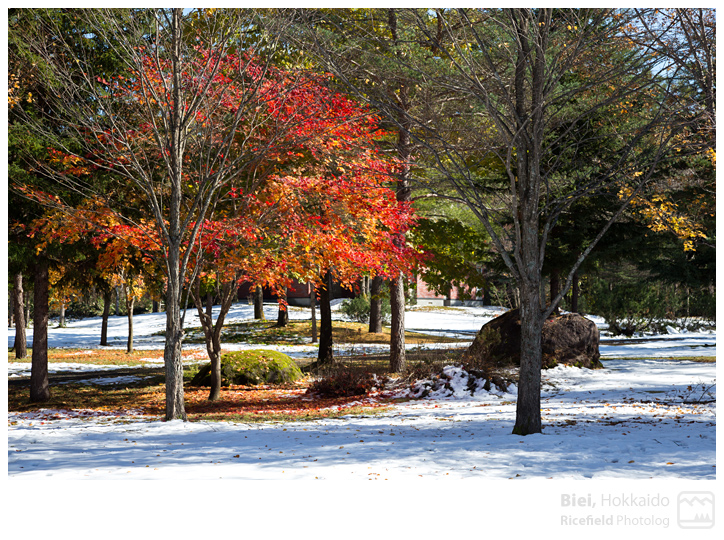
[662,214]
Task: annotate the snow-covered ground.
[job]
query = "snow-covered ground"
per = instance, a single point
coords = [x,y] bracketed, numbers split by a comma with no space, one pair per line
[645,416]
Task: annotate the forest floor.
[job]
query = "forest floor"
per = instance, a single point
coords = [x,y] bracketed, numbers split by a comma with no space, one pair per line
[643,426]
[650,413]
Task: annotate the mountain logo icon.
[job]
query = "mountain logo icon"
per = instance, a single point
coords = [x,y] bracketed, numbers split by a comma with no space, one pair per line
[696,509]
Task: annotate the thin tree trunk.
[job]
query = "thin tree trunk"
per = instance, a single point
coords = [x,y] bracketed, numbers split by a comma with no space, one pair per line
[130,301]
[39,384]
[555,287]
[26,301]
[313,305]
[11,310]
[325,355]
[376,305]
[575,292]
[118,301]
[397,325]
[21,347]
[107,300]
[61,322]
[486,296]
[212,331]
[209,304]
[259,303]
[283,315]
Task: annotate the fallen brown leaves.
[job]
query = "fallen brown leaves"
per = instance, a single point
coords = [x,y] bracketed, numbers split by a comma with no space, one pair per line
[237,403]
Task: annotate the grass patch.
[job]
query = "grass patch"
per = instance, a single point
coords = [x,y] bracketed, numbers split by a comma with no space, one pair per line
[434,308]
[237,404]
[263,403]
[282,417]
[99,357]
[90,397]
[300,333]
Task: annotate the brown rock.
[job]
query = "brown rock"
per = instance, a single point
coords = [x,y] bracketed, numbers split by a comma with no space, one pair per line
[567,339]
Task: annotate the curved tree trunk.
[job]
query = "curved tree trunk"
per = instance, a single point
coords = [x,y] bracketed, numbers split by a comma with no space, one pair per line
[212,330]
[21,347]
[39,384]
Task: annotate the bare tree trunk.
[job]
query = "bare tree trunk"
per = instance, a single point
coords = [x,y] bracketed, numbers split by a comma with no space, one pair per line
[404,194]
[26,301]
[528,414]
[107,300]
[11,311]
[39,384]
[175,407]
[175,143]
[397,325]
[555,286]
[118,301]
[130,301]
[21,348]
[574,294]
[212,331]
[528,141]
[313,306]
[283,315]
[61,322]
[326,354]
[259,303]
[376,305]
[209,303]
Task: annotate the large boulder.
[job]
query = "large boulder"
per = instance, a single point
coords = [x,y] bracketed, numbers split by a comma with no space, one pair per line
[567,339]
[250,368]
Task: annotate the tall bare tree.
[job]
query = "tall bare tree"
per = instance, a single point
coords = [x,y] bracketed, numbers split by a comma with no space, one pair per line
[154,138]
[517,92]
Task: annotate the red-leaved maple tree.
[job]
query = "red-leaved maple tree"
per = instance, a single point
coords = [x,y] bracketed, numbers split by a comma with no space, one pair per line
[325,209]
[260,173]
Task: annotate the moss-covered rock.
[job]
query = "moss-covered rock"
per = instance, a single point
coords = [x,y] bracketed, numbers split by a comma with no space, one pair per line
[250,368]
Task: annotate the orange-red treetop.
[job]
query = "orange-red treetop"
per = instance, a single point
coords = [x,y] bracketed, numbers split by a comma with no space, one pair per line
[309,193]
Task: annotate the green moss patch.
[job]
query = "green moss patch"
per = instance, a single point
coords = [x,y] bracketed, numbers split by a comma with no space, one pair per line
[250,368]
